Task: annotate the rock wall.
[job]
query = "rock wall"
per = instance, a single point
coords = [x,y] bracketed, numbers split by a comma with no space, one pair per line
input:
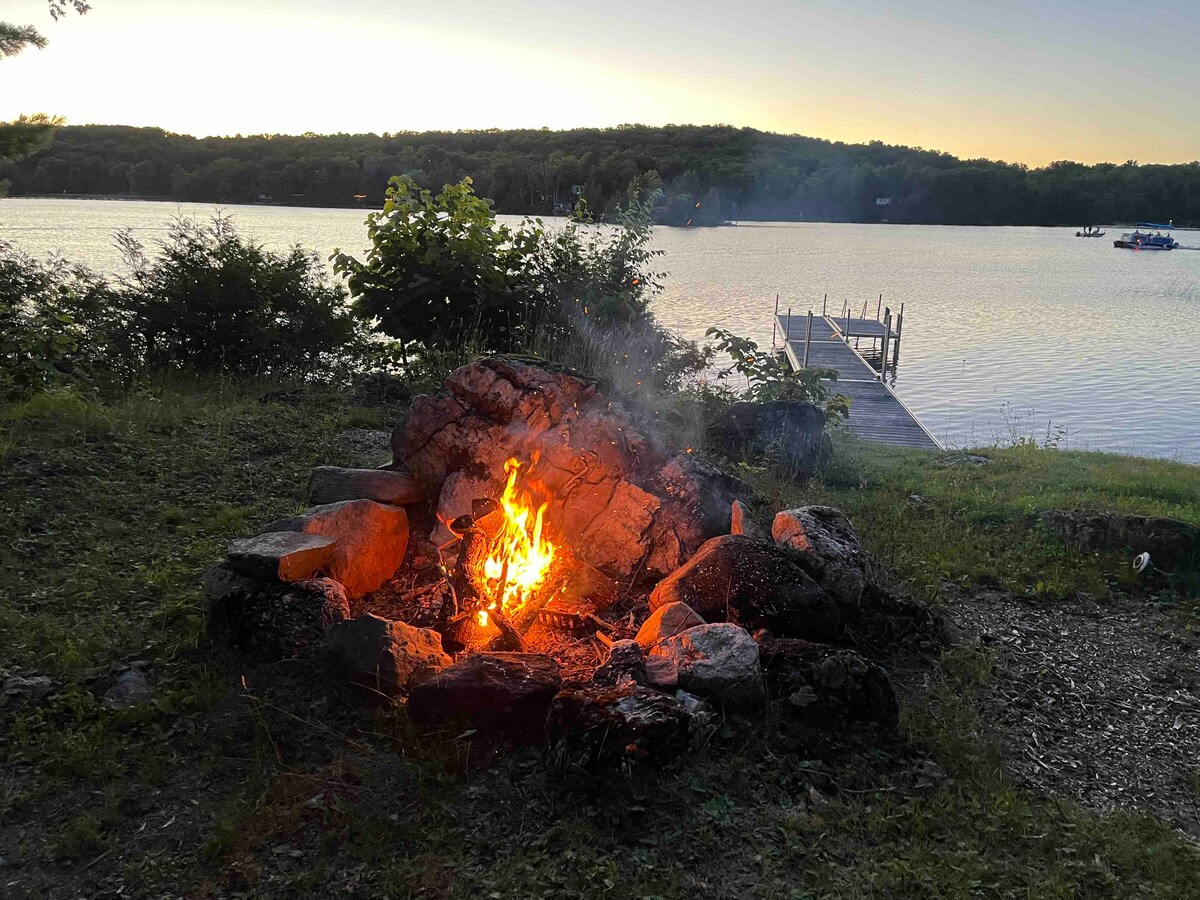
[621,500]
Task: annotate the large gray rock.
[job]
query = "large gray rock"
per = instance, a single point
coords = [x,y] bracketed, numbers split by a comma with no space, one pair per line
[1169,542]
[281,554]
[496,692]
[627,721]
[667,621]
[754,584]
[718,662]
[383,656]
[18,691]
[371,540]
[277,621]
[787,433]
[131,689]
[331,484]
[827,546]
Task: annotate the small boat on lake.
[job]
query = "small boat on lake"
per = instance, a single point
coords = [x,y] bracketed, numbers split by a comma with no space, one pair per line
[1090,231]
[1140,240]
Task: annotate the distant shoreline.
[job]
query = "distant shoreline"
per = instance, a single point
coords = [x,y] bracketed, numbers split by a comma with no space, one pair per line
[707,175]
[130,198]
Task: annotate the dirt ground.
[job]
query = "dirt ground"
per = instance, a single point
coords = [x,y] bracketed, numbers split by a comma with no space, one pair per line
[1099,702]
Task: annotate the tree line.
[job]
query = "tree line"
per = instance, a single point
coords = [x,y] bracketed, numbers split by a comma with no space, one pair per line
[707,174]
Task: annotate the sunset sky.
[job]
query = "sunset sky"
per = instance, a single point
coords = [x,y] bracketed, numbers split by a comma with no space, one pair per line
[1032,82]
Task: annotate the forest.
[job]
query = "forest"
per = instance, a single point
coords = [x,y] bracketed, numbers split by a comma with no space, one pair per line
[708,174]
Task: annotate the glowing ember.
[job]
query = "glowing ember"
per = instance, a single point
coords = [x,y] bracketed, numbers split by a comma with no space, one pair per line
[520,555]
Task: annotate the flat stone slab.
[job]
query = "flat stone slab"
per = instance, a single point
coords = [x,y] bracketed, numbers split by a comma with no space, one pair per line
[331,484]
[286,555]
[371,540]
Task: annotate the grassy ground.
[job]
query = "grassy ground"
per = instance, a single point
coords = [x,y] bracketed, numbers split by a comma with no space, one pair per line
[935,522]
[258,781]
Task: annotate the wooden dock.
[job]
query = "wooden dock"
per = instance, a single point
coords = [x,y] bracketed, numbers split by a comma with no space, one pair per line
[818,341]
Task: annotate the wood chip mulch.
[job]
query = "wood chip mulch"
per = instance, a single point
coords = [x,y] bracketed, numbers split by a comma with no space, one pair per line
[1099,702]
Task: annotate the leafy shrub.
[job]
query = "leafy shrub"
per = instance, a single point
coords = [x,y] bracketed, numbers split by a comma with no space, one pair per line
[53,318]
[596,273]
[770,377]
[212,301]
[441,273]
[439,268]
[595,286]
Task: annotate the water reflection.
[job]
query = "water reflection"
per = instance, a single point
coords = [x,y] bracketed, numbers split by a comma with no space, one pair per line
[1007,331]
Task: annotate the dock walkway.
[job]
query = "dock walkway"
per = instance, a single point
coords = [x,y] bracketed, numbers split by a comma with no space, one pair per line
[876,413]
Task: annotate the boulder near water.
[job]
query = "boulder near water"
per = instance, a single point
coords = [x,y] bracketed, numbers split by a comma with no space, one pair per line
[788,433]
[1169,542]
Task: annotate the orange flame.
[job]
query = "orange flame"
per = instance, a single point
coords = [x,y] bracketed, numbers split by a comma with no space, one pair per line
[520,555]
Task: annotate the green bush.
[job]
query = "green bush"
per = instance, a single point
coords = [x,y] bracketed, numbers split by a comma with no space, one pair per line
[598,274]
[770,377]
[212,301]
[440,268]
[441,273]
[53,318]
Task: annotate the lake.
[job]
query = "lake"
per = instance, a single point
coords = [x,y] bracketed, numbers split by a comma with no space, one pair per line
[1008,332]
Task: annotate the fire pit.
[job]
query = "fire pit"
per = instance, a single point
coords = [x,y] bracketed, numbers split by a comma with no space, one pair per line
[539,564]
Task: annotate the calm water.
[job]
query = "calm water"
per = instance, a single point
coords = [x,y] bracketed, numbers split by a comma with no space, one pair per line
[1007,331]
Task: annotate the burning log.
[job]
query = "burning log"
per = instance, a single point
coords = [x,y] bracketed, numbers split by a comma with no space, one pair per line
[509,638]
[471,611]
[471,554]
[506,571]
[566,620]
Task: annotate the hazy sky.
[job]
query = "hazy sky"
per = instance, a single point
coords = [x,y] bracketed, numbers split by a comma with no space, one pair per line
[1026,81]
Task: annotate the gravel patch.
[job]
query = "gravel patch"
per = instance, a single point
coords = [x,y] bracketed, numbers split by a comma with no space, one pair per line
[1097,702]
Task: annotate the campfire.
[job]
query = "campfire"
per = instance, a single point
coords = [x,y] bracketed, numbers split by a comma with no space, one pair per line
[507,569]
[521,555]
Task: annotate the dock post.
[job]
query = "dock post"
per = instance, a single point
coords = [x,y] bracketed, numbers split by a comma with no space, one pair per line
[807,338]
[847,334]
[823,304]
[787,338]
[883,356]
[775,322]
[899,328]
[878,307]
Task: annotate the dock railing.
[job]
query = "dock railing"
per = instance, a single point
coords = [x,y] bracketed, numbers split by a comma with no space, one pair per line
[834,339]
